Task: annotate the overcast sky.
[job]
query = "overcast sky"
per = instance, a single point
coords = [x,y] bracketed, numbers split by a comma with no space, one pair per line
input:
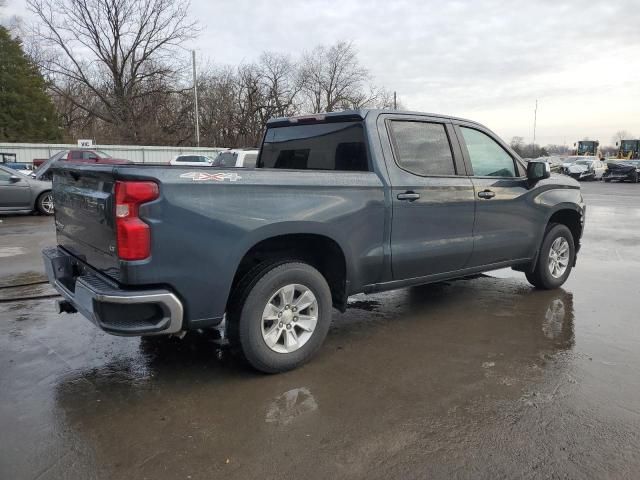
[484,60]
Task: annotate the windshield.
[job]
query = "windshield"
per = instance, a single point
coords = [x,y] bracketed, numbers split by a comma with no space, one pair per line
[628,145]
[41,172]
[584,162]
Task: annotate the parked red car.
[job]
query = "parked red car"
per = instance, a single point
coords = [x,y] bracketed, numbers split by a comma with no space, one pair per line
[82,155]
[76,156]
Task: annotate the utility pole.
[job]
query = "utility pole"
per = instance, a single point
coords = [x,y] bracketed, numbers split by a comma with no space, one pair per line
[195,97]
[395,101]
[535,119]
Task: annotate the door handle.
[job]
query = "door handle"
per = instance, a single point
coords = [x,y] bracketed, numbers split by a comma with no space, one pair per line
[486,194]
[410,196]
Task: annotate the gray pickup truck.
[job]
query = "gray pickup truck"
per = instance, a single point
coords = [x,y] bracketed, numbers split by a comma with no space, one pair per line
[338,204]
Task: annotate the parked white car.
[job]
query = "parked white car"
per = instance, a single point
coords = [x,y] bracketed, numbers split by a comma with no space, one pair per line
[589,168]
[237,158]
[192,161]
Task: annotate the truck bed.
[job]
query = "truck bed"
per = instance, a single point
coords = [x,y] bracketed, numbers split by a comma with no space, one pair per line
[210,216]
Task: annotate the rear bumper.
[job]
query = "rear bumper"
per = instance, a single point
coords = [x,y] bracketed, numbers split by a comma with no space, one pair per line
[104,303]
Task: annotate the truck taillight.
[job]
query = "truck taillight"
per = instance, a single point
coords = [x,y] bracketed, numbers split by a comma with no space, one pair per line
[132,234]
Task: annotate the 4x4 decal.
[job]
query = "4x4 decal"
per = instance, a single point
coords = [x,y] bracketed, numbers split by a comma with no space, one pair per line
[219,177]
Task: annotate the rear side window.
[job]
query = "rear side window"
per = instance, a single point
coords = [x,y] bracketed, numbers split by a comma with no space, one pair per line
[75,155]
[323,146]
[422,148]
[488,158]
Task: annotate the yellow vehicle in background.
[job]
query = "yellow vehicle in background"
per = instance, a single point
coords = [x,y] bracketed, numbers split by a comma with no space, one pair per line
[588,148]
[628,150]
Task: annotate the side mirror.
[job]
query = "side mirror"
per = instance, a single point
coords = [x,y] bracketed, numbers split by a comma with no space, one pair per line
[538,171]
[14,179]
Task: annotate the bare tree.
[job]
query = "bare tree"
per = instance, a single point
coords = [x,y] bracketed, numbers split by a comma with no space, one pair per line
[517,144]
[621,135]
[332,77]
[218,109]
[122,51]
[280,85]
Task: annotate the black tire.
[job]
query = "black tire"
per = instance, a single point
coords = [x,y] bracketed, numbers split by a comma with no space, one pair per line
[634,177]
[44,203]
[541,276]
[606,180]
[244,314]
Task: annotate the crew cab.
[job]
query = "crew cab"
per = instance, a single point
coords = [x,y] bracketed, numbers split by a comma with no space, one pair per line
[338,204]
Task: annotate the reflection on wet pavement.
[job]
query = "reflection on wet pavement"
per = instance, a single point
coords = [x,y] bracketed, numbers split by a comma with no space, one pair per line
[478,378]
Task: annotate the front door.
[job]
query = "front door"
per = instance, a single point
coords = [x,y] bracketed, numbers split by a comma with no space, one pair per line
[504,229]
[14,194]
[432,198]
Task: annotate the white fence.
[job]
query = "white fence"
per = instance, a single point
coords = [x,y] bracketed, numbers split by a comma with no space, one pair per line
[26,152]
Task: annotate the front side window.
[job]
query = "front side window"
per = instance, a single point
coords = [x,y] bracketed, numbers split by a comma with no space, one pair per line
[488,158]
[322,146]
[422,148]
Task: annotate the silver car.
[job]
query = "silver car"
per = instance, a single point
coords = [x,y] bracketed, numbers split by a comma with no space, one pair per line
[22,193]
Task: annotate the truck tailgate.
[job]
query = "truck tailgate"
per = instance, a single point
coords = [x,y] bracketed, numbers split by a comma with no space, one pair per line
[84,216]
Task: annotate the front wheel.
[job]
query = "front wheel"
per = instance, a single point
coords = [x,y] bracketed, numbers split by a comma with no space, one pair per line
[44,203]
[280,315]
[555,259]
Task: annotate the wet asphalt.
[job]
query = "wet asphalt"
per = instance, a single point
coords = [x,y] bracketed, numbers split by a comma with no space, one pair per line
[478,378]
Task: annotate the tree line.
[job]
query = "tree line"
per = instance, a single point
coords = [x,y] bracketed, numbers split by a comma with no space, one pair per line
[118,71]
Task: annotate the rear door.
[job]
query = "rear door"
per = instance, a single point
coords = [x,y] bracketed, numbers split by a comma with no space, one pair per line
[432,198]
[505,226]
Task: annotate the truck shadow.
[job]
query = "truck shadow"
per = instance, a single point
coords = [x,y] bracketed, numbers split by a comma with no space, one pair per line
[409,359]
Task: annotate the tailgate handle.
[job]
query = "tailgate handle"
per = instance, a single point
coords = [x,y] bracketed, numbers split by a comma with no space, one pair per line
[410,196]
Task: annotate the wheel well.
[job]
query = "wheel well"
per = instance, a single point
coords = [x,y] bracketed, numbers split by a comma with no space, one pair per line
[571,219]
[319,251]
[38,197]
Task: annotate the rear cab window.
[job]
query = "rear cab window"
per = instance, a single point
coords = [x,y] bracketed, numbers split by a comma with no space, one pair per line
[338,146]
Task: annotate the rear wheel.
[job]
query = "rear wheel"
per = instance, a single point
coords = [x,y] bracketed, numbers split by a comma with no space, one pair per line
[555,259]
[634,177]
[280,315]
[44,203]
